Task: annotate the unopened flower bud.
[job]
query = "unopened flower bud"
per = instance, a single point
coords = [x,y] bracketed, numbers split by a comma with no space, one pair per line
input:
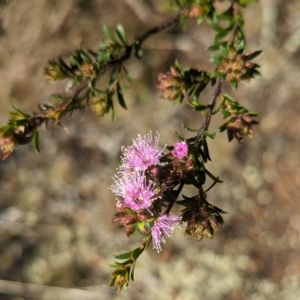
[203,211]
[154,171]
[54,72]
[87,70]
[98,105]
[7,146]
[213,223]
[247,118]
[174,72]
[128,220]
[129,230]
[180,149]
[190,165]
[119,205]
[196,11]
[118,217]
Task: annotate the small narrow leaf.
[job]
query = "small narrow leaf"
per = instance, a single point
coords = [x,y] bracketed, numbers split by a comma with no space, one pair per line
[121,34]
[7,131]
[120,96]
[130,79]
[252,55]
[177,65]
[205,148]
[36,140]
[84,56]
[137,51]
[126,255]
[109,34]
[210,134]
[189,129]
[212,176]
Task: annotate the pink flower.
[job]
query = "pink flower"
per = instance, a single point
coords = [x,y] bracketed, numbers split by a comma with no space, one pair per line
[142,154]
[135,190]
[163,227]
[180,149]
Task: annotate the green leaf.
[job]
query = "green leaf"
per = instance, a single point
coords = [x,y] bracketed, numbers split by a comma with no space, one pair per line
[227,15]
[131,274]
[7,131]
[205,148]
[247,2]
[252,55]
[219,210]
[94,54]
[36,140]
[200,107]
[225,113]
[136,253]
[126,255]
[179,136]
[228,97]
[75,61]
[188,129]
[220,35]
[223,50]
[216,27]
[209,134]
[254,113]
[138,51]
[203,155]
[110,104]
[177,65]
[109,34]
[234,84]
[114,74]
[84,56]
[120,96]
[241,46]
[64,66]
[223,127]
[198,90]
[216,59]
[130,79]
[121,34]
[21,113]
[213,47]
[210,187]
[212,176]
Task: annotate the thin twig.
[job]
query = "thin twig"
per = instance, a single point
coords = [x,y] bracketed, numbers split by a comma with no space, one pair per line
[43,116]
[178,191]
[169,23]
[210,108]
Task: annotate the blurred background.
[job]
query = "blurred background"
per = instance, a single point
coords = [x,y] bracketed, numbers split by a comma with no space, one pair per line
[56,236]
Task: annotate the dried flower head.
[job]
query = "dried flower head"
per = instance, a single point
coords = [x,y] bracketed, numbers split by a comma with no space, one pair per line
[171,84]
[54,72]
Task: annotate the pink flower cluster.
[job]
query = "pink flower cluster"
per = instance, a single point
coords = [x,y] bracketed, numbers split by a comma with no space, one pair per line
[136,191]
[180,150]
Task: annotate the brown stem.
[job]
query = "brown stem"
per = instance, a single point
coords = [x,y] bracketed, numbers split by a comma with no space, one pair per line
[209,110]
[171,22]
[178,191]
[43,117]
